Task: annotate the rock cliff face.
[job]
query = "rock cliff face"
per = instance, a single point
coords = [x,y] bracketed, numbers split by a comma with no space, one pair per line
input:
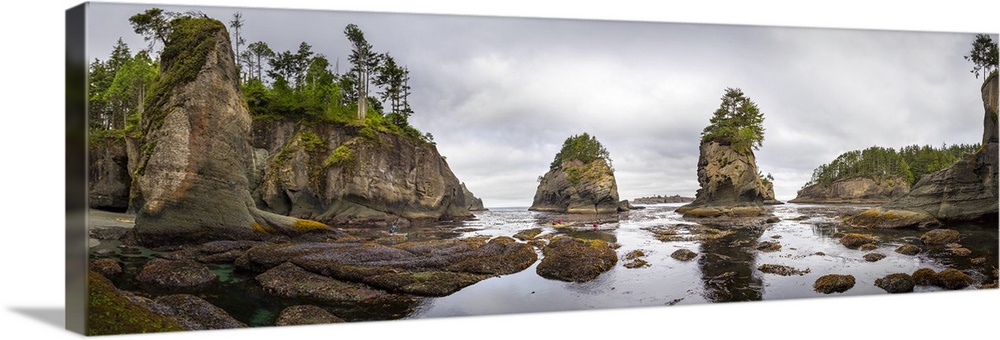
[663,199]
[965,191]
[727,179]
[578,188]
[339,175]
[109,175]
[860,190]
[194,172]
[475,203]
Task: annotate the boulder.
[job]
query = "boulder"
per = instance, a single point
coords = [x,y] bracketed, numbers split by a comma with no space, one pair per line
[192,180]
[855,241]
[305,315]
[578,188]
[106,267]
[925,277]
[576,260]
[111,311]
[908,249]
[858,190]
[940,237]
[197,314]
[833,283]
[873,257]
[896,283]
[953,279]
[175,275]
[883,218]
[290,281]
[683,255]
[782,270]
[430,268]
[529,234]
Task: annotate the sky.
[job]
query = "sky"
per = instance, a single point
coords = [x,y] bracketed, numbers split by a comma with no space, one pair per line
[501,94]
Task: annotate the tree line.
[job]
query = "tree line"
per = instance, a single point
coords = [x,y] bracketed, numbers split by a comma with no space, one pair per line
[299,85]
[909,163]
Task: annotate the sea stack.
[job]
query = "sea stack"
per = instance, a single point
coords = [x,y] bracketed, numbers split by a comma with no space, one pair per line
[730,182]
[965,191]
[580,180]
[192,179]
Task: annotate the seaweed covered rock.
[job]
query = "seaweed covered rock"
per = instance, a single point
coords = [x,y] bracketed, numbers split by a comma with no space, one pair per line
[192,181]
[882,218]
[833,283]
[683,255]
[855,241]
[873,257]
[908,249]
[939,237]
[953,279]
[576,260]
[291,281]
[782,270]
[106,267]
[896,283]
[430,268]
[110,311]
[925,277]
[197,314]
[305,315]
[175,275]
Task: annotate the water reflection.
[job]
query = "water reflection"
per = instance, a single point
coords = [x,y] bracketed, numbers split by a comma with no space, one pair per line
[728,267]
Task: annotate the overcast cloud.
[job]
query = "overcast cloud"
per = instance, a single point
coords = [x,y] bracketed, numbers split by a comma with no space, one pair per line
[501,94]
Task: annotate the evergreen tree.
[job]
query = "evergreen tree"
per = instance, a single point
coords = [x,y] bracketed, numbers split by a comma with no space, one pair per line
[737,122]
[584,148]
[363,63]
[983,55]
[237,25]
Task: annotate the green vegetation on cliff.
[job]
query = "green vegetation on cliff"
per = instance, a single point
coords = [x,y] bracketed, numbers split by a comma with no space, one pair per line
[909,163]
[737,122]
[584,148]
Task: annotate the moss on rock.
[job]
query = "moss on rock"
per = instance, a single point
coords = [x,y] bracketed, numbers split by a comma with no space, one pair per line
[896,283]
[110,312]
[938,237]
[908,249]
[855,241]
[576,260]
[782,270]
[834,283]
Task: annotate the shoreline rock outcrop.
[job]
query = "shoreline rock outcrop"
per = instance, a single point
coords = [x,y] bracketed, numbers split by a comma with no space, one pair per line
[728,179]
[578,188]
[108,180]
[965,191]
[663,199]
[859,190]
[192,181]
[343,175]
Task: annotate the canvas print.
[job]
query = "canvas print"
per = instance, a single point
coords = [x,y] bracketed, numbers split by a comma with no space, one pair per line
[253,167]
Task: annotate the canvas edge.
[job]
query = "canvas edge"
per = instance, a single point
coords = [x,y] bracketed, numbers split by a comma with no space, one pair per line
[76,165]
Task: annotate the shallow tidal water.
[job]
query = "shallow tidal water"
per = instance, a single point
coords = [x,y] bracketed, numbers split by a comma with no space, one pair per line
[725,269]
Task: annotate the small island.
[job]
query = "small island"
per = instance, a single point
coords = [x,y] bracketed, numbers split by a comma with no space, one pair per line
[580,180]
[731,184]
